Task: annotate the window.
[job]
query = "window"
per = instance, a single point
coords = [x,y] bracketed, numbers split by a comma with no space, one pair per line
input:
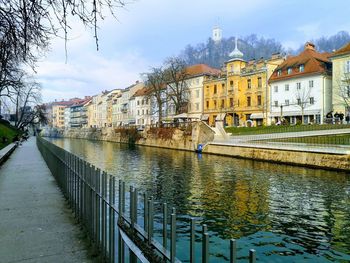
[298,85]
[197,93]
[276,103]
[311,83]
[312,100]
[249,82]
[299,101]
[138,112]
[259,82]
[231,83]
[223,85]
[347,66]
[248,101]
[143,112]
[275,88]
[222,104]
[289,71]
[231,102]
[286,102]
[286,87]
[147,112]
[279,72]
[215,89]
[259,100]
[207,104]
[197,106]
[348,91]
[214,104]
[301,68]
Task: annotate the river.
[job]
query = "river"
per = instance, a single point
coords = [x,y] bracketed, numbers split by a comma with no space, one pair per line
[286,213]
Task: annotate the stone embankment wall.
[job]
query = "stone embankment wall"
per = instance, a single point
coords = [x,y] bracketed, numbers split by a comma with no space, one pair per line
[172,138]
[310,159]
[185,140]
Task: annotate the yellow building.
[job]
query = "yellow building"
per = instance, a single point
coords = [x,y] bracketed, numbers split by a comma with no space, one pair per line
[341,80]
[58,115]
[239,97]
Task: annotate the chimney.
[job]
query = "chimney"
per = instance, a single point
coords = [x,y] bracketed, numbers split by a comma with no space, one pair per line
[310,46]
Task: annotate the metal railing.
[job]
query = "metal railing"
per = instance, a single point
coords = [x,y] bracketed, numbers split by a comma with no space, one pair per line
[113,229]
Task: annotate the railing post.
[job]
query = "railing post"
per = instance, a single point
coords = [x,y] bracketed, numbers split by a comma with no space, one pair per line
[145,212]
[173,238]
[252,256]
[192,241]
[150,220]
[205,240]
[165,225]
[233,248]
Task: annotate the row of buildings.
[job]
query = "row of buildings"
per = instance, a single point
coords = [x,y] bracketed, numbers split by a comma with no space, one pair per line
[305,88]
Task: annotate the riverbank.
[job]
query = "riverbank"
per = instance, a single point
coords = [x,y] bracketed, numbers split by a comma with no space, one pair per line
[36,224]
[332,157]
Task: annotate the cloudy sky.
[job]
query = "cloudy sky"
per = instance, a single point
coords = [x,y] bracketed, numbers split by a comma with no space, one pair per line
[148,31]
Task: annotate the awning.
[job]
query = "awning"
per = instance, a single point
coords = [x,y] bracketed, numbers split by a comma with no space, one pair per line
[256,116]
[187,116]
[220,117]
[294,113]
[205,117]
[181,116]
[194,115]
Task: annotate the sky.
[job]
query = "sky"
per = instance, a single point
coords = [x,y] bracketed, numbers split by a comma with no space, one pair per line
[148,31]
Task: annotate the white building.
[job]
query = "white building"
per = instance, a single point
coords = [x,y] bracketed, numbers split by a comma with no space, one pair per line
[67,118]
[301,87]
[193,94]
[123,109]
[142,107]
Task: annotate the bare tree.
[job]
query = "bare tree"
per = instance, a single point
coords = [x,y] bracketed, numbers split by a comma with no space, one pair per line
[343,92]
[176,76]
[155,82]
[303,100]
[26,101]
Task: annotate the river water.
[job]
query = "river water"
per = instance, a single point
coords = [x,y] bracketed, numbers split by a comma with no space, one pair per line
[286,213]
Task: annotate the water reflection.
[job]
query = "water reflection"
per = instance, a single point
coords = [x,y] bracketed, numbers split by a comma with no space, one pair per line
[290,214]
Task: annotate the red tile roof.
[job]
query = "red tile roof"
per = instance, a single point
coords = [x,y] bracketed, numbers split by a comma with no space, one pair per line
[313,61]
[201,69]
[142,92]
[342,51]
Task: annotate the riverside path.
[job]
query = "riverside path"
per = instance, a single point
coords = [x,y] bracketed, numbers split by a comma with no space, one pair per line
[36,224]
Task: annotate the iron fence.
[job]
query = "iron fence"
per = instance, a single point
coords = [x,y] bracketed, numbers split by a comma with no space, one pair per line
[112,223]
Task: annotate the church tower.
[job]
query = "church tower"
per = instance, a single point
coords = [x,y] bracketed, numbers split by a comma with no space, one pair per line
[217,34]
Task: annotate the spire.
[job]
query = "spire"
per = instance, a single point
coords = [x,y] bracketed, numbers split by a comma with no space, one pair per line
[236,54]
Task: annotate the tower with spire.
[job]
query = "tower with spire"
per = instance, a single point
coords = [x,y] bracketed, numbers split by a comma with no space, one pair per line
[236,54]
[217,34]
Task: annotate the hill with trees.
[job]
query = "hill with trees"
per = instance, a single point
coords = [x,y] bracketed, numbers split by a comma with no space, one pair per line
[253,47]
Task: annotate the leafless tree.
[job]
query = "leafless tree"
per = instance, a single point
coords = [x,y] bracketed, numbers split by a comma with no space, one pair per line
[27,105]
[176,77]
[343,92]
[303,100]
[156,83]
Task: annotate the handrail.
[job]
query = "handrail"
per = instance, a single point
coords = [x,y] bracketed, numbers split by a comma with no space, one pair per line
[91,194]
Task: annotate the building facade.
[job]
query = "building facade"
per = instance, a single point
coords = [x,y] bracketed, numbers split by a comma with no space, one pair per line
[341,80]
[301,88]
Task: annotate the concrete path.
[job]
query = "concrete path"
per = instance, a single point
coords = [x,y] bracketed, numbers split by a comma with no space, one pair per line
[257,141]
[245,138]
[36,224]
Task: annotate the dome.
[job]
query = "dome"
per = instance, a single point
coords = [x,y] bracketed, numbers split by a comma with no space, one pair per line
[236,53]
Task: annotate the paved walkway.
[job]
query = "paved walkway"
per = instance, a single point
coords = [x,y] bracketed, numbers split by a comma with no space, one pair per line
[257,141]
[282,135]
[35,223]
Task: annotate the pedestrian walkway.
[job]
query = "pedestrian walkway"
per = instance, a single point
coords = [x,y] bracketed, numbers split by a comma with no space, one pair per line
[258,141]
[35,223]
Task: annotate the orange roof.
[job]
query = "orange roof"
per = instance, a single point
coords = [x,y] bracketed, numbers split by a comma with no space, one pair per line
[313,61]
[142,92]
[201,69]
[342,51]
